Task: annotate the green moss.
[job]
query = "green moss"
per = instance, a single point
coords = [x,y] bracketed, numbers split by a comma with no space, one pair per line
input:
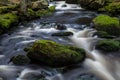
[5,9]
[6,20]
[103,34]
[42,13]
[20,60]
[53,54]
[113,8]
[108,45]
[111,25]
[31,12]
[47,12]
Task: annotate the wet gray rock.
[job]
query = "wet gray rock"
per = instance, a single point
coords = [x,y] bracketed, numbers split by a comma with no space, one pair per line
[60,27]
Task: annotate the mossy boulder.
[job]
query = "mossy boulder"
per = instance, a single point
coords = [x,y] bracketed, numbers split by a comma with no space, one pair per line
[108,45]
[111,25]
[62,34]
[6,9]
[52,54]
[6,20]
[112,8]
[20,60]
[102,34]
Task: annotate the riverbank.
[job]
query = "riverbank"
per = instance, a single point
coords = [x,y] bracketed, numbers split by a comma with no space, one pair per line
[11,15]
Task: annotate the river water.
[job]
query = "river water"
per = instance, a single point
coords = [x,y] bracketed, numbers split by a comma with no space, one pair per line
[97,66]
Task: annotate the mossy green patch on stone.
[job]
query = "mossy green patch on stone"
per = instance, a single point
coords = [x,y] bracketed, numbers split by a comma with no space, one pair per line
[53,54]
[111,25]
[108,45]
[6,20]
[113,8]
[20,60]
[5,9]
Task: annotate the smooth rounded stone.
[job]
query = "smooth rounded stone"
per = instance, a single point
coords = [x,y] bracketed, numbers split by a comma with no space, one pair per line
[62,34]
[50,53]
[60,27]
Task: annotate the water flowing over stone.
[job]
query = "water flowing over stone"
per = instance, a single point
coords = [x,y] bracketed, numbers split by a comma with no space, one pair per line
[96,63]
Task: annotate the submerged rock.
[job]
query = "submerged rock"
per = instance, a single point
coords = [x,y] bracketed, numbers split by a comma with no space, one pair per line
[62,34]
[64,5]
[52,54]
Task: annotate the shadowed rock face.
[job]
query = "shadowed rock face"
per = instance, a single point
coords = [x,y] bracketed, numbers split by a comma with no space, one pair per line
[91,4]
[72,1]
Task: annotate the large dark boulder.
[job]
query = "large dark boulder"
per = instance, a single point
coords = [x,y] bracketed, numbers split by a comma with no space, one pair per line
[52,54]
[92,4]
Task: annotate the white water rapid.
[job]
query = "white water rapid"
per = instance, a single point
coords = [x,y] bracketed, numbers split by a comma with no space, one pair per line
[70,15]
[96,61]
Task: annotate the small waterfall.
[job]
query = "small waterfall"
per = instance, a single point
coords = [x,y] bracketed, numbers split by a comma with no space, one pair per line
[96,62]
[61,5]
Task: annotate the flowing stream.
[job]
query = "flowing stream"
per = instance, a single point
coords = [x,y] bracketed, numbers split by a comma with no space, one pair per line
[97,66]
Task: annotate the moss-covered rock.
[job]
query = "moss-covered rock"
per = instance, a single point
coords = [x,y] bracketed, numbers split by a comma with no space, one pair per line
[111,25]
[6,9]
[108,45]
[53,54]
[6,20]
[102,34]
[49,11]
[62,34]
[41,4]
[112,8]
[20,60]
